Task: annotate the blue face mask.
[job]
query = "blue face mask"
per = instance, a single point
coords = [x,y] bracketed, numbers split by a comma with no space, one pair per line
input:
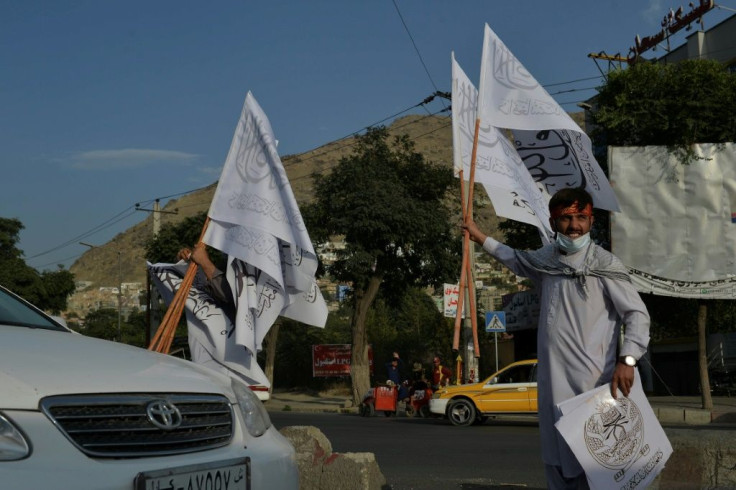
[571,246]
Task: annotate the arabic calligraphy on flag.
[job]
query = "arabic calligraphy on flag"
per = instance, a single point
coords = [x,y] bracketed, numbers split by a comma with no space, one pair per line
[256,221]
[499,167]
[552,146]
[210,330]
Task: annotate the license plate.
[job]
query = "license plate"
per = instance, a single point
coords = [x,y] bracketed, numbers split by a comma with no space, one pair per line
[233,474]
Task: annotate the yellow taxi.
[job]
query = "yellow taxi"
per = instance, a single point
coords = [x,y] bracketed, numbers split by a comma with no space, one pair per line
[512,390]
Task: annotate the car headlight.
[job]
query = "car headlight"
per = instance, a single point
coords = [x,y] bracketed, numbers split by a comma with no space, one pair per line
[13,445]
[254,413]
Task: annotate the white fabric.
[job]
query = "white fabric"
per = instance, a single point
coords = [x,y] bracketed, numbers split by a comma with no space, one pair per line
[210,331]
[499,168]
[554,148]
[255,220]
[576,338]
[253,189]
[619,442]
[677,229]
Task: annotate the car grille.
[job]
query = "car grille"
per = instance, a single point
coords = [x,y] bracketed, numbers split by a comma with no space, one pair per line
[118,426]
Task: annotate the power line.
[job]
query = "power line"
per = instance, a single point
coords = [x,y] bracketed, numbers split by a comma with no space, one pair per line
[124,214]
[132,209]
[106,224]
[353,143]
[415,47]
[572,81]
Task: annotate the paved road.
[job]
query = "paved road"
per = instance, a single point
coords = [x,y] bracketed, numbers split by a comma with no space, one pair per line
[431,454]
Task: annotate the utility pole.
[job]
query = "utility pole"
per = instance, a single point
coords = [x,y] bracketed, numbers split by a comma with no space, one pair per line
[120,290]
[156,215]
[120,299]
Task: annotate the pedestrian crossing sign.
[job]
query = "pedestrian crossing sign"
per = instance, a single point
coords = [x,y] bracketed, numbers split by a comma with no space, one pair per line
[495,321]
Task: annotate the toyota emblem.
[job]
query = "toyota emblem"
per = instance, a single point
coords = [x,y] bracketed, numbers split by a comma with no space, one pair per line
[163,414]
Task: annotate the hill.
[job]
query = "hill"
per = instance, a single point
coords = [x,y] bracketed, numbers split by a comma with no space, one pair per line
[432,136]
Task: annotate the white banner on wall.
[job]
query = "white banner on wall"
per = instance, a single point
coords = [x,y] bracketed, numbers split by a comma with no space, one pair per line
[677,227]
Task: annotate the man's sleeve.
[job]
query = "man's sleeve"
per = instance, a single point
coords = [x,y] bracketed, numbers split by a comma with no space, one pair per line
[633,312]
[507,256]
[219,289]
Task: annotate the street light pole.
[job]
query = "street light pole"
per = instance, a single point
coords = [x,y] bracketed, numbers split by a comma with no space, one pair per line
[120,291]
[120,298]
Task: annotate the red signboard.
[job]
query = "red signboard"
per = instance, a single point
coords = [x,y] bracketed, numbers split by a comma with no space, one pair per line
[334,360]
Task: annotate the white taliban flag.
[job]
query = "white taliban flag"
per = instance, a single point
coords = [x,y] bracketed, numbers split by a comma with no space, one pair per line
[255,220]
[619,443]
[210,330]
[553,147]
[499,168]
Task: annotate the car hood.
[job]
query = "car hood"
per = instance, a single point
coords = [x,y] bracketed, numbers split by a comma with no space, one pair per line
[35,363]
[466,389]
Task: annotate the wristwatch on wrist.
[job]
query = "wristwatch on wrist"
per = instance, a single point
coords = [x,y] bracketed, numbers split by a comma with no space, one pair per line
[628,360]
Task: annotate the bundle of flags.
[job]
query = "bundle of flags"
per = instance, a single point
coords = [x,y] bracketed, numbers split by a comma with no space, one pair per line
[549,150]
[254,219]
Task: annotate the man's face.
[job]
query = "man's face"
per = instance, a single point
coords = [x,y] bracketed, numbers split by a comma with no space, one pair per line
[572,225]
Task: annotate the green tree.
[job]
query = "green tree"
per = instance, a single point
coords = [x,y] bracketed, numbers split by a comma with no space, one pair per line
[387,203]
[58,285]
[101,323]
[672,105]
[48,290]
[134,328]
[675,106]
[174,236]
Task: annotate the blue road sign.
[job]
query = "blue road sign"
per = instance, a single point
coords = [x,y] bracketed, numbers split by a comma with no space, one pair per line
[495,321]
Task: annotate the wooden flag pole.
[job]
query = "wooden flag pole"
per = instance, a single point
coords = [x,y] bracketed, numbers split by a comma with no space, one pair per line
[466,239]
[473,311]
[463,271]
[164,336]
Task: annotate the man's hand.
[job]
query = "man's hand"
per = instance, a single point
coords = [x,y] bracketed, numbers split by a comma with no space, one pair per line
[199,256]
[623,379]
[184,254]
[474,232]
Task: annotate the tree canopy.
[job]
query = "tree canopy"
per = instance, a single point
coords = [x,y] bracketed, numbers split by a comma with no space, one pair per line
[174,236]
[673,105]
[47,290]
[387,203]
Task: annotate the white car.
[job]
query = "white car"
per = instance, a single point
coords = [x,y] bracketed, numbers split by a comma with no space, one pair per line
[82,413]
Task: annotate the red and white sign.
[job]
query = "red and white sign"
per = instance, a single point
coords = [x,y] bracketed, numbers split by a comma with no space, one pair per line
[451,295]
[334,360]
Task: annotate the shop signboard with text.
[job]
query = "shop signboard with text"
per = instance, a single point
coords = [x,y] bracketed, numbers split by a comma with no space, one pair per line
[334,360]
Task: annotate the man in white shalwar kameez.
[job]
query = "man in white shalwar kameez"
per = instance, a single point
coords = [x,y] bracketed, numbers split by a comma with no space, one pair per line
[586,297]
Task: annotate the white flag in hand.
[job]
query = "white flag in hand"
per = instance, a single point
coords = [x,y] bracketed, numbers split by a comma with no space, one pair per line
[499,168]
[554,148]
[256,221]
[211,334]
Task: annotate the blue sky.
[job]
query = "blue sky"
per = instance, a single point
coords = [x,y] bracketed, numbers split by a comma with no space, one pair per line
[105,104]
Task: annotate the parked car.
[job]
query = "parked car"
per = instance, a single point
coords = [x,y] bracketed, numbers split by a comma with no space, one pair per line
[83,413]
[512,390]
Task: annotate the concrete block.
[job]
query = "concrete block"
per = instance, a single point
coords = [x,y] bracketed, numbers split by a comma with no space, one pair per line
[321,469]
[696,416]
[700,459]
[312,448]
[671,415]
[352,471]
